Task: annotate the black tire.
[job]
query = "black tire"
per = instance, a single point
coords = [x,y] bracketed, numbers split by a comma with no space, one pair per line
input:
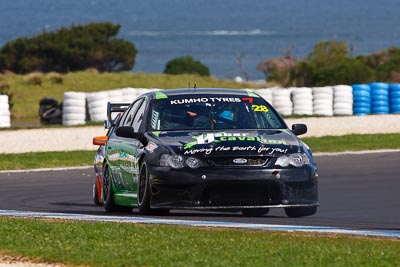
[144,190]
[50,111]
[300,212]
[255,212]
[108,195]
[108,192]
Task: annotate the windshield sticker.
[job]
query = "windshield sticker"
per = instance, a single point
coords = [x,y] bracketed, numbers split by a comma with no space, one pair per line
[250,93]
[260,108]
[161,95]
[205,100]
[227,137]
[249,99]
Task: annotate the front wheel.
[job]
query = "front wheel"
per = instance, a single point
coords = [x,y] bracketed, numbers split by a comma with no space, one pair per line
[144,190]
[300,212]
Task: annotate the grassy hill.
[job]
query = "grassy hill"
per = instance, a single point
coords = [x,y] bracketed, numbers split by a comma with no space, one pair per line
[27,90]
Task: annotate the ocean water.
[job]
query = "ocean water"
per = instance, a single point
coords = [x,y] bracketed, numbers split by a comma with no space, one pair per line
[216,31]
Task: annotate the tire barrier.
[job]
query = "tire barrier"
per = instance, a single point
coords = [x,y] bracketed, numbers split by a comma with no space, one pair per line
[343,100]
[302,99]
[265,93]
[128,94]
[50,111]
[97,102]
[361,99]
[340,100]
[115,96]
[97,105]
[323,101]
[5,115]
[379,98]
[74,108]
[281,99]
[394,96]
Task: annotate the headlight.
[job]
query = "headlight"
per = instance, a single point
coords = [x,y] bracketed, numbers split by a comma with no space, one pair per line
[178,161]
[296,159]
[192,162]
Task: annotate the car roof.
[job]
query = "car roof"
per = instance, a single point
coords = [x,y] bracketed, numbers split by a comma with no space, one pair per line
[207,91]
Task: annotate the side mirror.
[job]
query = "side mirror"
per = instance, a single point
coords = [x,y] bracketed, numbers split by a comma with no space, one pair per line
[100,140]
[127,131]
[299,129]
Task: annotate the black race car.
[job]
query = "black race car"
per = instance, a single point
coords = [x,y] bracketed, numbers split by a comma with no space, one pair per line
[205,149]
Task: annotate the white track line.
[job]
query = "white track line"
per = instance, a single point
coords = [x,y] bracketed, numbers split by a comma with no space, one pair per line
[248,226]
[362,152]
[49,169]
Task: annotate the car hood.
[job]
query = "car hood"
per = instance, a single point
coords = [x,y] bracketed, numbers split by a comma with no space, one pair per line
[272,143]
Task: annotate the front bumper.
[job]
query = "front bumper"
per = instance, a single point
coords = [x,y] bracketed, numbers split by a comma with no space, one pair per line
[233,188]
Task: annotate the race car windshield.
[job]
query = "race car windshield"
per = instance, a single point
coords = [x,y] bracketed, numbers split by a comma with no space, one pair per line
[211,113]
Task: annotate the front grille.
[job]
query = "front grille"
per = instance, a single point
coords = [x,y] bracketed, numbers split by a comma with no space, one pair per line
[230,161]
[243,193]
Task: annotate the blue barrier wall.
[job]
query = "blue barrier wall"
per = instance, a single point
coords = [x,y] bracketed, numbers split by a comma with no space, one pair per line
[379,98]
[361,99]
[394,98]
[376,98]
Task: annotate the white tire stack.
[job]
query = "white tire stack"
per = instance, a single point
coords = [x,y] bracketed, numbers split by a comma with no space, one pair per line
[5,115]
[114,96]
[302,101]
[141,91]
[323,101]
[282,102]
[74,108]
[128,95]
[97,105]
[342,100]
[265,93]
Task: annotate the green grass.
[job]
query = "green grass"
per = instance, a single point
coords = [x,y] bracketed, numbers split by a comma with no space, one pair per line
[45,160]
[354,142]
[84,158]
[26,96]
[119,244]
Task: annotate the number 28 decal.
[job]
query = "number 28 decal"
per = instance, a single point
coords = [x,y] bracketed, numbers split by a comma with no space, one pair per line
[260,108]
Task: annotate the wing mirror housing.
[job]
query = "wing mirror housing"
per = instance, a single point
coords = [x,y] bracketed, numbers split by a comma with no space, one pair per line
[127,132]
[100,140]
[299,129]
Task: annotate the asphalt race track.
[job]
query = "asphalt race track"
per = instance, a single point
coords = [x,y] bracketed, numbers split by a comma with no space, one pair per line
[355,190]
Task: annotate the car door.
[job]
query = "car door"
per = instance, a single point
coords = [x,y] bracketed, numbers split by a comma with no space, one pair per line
[117,158]
[130,171]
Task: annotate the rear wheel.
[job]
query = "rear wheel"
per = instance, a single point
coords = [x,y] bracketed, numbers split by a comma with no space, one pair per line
[300,212]
[96,194]
[108,194]
[255,212]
